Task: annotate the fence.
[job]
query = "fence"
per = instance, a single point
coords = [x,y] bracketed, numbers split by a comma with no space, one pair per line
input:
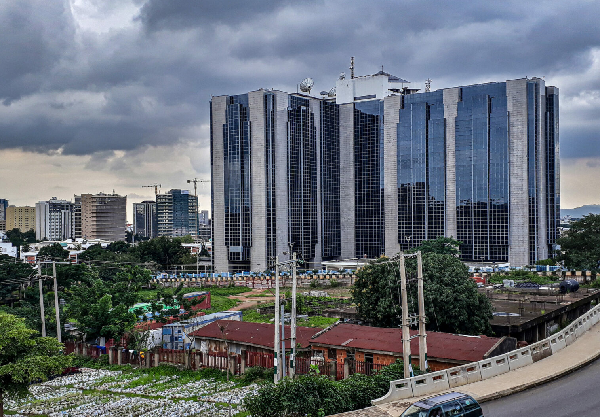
[365,368]
[436,382]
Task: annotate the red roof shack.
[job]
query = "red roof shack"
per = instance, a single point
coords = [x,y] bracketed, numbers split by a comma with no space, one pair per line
[242,335]
[383,346]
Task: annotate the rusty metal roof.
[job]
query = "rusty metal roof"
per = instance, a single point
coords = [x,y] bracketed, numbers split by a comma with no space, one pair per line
[259,334]
[439,345]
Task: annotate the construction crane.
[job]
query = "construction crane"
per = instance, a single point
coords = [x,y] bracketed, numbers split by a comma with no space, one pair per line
[156,187]
[196,181]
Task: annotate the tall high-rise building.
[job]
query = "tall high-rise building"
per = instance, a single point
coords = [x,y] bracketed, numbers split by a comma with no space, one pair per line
[380,167]
[3,207]
[103,216]
[22,218]
[203,217]
[54,220]
[177,213]
[144,219]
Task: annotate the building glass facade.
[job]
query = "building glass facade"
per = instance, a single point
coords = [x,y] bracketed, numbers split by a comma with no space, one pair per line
[552,168]
[271,203]
[368,178]
[421,169]
[331,240]
[237,178]
[302,177]
[482,198]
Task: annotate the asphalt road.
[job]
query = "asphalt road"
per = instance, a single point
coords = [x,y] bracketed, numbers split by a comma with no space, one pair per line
[577,395]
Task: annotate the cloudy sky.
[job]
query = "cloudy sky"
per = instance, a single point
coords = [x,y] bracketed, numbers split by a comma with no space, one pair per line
[97,95]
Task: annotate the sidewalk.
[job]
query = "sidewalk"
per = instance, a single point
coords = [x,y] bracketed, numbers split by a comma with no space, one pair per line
[583,351]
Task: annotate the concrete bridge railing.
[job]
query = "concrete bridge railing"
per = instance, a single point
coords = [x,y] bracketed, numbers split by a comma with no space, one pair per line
[436,382]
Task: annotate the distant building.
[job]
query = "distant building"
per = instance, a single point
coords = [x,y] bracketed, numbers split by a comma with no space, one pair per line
[103,216]
[3,206]
[22,218]
[144,219]
[177,213]
[54,220]
[77,217]
[203,217]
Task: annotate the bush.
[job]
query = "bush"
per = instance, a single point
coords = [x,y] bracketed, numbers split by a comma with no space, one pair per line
[256,373]
[334,283]
[316,395]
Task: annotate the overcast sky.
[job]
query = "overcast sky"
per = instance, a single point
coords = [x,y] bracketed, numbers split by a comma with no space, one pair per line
[97,95]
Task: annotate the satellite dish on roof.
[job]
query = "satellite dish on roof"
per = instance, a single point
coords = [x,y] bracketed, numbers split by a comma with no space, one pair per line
[331,92]
[306,85]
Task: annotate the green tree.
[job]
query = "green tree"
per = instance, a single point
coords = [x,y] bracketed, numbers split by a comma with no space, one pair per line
[101,307]
[162,250]
[442,245]
[452,302]
[25,358]
[118,247]
[580,245]
[54,251]
[11,273]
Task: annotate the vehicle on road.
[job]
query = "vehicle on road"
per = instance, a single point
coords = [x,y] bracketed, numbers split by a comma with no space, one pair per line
[453,404]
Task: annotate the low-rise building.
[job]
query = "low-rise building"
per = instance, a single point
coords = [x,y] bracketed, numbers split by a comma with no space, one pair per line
[245,336]
[383,346]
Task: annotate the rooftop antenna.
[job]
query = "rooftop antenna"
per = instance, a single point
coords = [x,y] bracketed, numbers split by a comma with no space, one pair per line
[427,85]
[352,67]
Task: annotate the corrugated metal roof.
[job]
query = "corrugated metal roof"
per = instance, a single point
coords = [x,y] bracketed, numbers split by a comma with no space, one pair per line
[439,345]
[261,334]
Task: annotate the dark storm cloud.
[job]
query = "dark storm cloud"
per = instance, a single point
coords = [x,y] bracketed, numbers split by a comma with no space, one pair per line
[34,36]
[180,14]
[150,81]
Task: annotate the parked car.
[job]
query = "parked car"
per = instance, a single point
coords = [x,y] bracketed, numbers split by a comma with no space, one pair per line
[453,404]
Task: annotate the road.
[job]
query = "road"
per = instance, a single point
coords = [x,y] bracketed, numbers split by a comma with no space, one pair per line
[574,395]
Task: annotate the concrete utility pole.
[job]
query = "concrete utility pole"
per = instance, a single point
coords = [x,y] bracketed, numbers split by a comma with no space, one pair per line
[422,333]
[41,300]
[293,318]
[283,340]
[276,353]
[56,305]
[406,354]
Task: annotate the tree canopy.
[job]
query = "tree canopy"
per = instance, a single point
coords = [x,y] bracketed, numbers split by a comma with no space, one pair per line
[442,245]
[452,302]
[54,251]
[25,358]
[10,272]
[580,245]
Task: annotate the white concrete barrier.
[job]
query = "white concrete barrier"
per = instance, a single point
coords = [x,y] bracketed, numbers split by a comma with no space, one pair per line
[399,390]
[430,383]
[519,358]
[558,341]
[595,317]
[570,335]
[462,375]
[580,329]
[494,366]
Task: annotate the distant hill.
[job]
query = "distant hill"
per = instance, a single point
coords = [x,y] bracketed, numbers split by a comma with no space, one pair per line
[581,211]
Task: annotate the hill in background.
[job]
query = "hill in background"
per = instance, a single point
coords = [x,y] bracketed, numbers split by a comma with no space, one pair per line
[581,211]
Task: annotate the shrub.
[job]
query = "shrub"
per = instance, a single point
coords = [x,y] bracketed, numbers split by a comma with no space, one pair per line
[316,395]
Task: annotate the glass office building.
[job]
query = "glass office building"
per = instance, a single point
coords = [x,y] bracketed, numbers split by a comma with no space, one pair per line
[381,167]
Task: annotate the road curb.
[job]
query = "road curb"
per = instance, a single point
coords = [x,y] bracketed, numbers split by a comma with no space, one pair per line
[541,381]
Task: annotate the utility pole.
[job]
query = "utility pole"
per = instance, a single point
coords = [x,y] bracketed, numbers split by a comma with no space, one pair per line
[41,300]
[406,354]
[422,333]
[276,354]
[293,318]
[56,305]
[283,340]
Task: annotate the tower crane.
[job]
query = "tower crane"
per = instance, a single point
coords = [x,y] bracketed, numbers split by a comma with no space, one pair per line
[156,187]
[196,181]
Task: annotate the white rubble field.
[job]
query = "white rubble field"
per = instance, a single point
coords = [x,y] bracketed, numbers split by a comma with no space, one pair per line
[105,391]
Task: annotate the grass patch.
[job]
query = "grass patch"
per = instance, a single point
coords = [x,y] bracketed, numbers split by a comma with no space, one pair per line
[317,321]
[251,315]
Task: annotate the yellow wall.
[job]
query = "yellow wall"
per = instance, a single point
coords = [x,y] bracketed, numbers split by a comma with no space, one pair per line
[22,218]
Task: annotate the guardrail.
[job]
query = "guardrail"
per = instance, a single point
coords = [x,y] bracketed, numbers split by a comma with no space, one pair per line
[435,382]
